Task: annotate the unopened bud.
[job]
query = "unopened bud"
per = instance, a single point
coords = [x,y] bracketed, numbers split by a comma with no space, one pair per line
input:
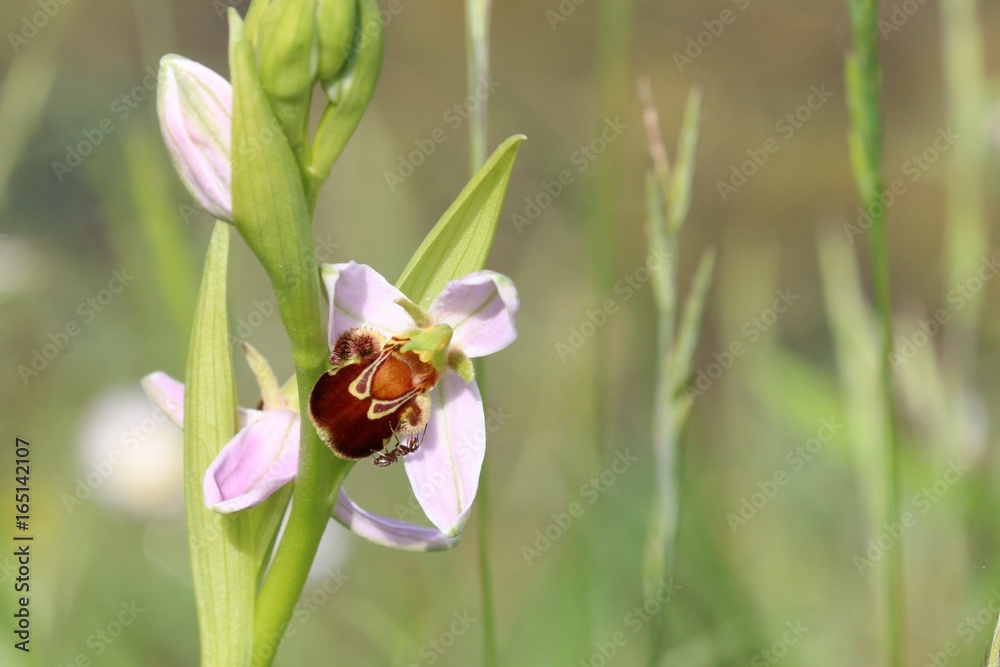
[287,61]
[195,106]
[336,22]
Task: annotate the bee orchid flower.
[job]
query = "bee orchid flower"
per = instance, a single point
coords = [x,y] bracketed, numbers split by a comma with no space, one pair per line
[400,376]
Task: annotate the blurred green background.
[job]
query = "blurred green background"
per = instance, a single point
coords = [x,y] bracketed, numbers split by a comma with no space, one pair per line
[110,584]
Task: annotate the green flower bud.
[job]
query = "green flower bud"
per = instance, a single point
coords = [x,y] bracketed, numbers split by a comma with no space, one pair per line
[287,62]
[348,92]
[336,22]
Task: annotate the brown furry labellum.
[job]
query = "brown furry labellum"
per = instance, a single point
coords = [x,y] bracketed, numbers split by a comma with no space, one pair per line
[374,392]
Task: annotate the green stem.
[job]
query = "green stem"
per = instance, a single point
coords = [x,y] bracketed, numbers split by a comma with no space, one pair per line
[477,45]
[894,562]
[306,523]
[863,84]
[319,472]
[319,475]
[477,34]
[490,653]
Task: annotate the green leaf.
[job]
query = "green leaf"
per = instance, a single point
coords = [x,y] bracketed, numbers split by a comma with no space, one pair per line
[223,561]
[460,241]
[349,93]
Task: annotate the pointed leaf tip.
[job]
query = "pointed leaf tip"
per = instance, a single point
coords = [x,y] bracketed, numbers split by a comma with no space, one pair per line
[460,242]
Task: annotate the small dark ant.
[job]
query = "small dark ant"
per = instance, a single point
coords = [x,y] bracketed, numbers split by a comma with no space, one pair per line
[390,457]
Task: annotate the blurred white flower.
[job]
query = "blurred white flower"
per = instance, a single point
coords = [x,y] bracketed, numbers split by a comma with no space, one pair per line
[131,455]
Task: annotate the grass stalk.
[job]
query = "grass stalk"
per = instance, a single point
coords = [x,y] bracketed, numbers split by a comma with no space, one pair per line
[668,199]
[863,79]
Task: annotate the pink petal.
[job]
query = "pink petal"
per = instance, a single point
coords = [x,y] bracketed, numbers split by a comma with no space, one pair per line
[481,307]
[167,394]
[392,533]
[260,459]
[195,106]
[362,297]
[444,472]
